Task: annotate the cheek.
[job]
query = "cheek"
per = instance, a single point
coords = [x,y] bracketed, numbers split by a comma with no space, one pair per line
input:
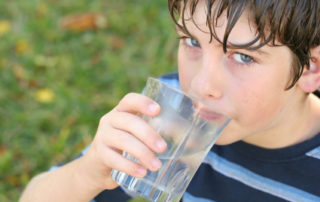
[252,111]
[186,68]
[258,107]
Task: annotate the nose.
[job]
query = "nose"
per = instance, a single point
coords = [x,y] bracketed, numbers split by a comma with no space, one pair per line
[207,83]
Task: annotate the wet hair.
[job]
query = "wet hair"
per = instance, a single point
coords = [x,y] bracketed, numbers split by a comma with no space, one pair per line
[292,23]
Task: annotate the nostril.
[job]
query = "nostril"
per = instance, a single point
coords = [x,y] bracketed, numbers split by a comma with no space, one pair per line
[215,94]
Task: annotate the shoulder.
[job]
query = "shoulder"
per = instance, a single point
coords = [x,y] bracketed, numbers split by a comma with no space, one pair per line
[171,79]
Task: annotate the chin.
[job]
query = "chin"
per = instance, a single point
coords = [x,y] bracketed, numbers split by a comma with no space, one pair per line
[227,138]
[224,142]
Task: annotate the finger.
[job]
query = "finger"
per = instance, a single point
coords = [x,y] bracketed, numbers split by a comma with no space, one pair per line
[130,144]
[140,129]
[118,162]
[137,103]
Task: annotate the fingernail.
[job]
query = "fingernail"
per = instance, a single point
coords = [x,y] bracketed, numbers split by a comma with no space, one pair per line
[156,163]
[153,107]
[161,144]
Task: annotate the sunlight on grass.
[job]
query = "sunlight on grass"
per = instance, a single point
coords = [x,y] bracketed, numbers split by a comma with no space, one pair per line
[140,199]
[57,81]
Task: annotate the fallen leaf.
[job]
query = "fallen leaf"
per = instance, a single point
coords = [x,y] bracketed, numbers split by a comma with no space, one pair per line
[45,95]
[3,62]
[13,180]
[19,73]
[83,21]
[33,83]
[2,150]
[41,9]
[116,42]
[5,27]
[21,46]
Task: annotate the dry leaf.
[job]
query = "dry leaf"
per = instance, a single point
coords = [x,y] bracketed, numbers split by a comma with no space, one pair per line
[13,180]
[116,42]
[2,150]
[5,27]
[21,46]
[45,95]
[84,21]
[33,83]
[42,9]
[19,73]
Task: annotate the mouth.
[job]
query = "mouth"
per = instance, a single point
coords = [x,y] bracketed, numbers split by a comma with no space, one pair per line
[206,113]
[210,115]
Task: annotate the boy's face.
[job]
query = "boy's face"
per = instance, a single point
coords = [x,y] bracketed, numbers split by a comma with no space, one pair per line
[246,85]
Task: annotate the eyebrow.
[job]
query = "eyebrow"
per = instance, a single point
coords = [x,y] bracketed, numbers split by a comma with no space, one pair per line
[182,30]
[258,51]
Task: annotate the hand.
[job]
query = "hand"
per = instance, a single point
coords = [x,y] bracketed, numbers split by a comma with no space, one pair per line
[122,129]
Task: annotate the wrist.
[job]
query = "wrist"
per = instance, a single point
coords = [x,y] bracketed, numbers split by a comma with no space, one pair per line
[85,178]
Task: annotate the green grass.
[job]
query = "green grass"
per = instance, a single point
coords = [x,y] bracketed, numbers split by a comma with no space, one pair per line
[86,72]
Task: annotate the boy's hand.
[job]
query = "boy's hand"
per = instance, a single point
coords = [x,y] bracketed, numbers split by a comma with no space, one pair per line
[123,130]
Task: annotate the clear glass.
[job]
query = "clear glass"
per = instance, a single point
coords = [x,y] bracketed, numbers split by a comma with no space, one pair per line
[190,128]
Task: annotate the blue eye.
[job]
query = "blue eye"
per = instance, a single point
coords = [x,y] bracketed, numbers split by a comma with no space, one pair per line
[192,42]
[242,58]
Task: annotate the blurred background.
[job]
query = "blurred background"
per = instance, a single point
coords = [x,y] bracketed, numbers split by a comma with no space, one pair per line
[63,64]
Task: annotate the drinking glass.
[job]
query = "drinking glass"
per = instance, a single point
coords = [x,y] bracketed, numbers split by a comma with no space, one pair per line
[190,127]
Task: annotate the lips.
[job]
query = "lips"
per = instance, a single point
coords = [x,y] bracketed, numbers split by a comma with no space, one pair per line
[206,113]
[210,115]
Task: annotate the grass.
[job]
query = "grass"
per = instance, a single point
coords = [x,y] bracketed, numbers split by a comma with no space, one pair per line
[55,84]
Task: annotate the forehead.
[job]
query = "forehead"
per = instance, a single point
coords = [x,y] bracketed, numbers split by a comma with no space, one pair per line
[243,31]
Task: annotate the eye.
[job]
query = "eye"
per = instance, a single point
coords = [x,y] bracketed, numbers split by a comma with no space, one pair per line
[242,58]
[192,42]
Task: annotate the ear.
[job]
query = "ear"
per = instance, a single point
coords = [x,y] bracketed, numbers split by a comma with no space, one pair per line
[310,79]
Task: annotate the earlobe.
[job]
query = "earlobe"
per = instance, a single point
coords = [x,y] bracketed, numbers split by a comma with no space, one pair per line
[310,79]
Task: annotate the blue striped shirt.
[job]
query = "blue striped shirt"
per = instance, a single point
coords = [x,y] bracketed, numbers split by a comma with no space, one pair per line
[243,172]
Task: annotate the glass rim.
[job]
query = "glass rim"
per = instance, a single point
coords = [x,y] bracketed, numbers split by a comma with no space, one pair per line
[192,97]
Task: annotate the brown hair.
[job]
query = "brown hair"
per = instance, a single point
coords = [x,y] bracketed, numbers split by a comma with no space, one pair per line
[293,23]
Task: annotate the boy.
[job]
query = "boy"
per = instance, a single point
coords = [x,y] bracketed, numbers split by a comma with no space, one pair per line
[257,61]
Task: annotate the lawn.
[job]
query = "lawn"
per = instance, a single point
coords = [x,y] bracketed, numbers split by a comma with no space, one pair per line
[64,64]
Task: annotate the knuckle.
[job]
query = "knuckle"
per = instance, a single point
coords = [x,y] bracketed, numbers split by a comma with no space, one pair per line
[103,119]
[126,101]
[129,96]
[145,155]
[110,158]
[147,133]
[131,168]
[112,140]
[121,138]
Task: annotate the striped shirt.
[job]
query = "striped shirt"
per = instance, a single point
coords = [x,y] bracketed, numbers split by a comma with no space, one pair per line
[243,172]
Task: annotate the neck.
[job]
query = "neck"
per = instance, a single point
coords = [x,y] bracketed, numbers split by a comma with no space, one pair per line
[296,126]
